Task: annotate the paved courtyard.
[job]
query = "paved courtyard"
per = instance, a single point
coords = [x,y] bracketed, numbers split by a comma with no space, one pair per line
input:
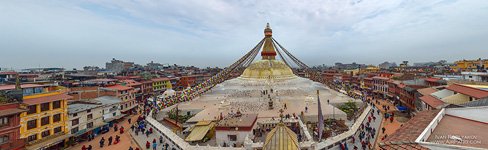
[125,139]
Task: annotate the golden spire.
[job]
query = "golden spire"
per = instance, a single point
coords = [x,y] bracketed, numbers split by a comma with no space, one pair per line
[268,51]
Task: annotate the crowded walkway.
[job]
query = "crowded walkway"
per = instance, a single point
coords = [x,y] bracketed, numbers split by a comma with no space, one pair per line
[125,140]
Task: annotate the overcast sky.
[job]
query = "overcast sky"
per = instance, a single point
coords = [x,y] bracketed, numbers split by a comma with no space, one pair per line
[215,33]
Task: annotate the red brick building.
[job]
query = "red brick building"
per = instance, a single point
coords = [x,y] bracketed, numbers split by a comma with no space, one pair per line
[10,126]
[186,81]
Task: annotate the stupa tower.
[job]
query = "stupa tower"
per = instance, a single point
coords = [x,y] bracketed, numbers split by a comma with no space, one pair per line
[268,51]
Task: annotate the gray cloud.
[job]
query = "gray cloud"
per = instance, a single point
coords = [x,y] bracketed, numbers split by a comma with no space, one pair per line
[215,33]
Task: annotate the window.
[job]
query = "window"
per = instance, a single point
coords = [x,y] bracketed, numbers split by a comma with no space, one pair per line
[232,137]
[3,121]
[45,133]
[90,116]
[31,138]
[89,125]
[44,121]
[114,113]
[56,118]
[88,111]
[57,130]
[31,124]
[75,114]
[75,122]
[44,107]
[3,139]
[74,130]
[32,109]
[56,104]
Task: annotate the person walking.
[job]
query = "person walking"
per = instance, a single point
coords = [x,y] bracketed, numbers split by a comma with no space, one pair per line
[110,141]
[101,142]
[160,139]
[154,145]
[89,147]
[83,148]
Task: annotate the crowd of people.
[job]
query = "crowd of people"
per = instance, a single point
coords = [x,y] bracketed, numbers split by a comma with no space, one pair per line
[111,140]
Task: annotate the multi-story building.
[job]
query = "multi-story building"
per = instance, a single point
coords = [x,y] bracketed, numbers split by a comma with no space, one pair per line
[134,84]
[45,122]
[84,119]
[380,86]
[187,81]
[475,76]
[118,65]
[470,65]
[110,106]
[10,124]
[369,69]
[146,88]
[126,94]
[159,85]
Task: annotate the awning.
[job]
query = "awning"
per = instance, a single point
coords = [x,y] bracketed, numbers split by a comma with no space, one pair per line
[115,118]
[129,108]
[48,143]
[11,111]
[402,108]
[199,132]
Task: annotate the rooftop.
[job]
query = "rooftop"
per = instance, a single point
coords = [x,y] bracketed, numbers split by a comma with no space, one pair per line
[432,101]
[75,108]
[107,100]
[48,98]
[160,79]
[246,120]
[413,128]
[465,129]
[119,87]
[12,86]
[470,91]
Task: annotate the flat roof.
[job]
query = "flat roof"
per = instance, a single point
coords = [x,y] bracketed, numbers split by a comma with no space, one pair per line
[12,86]
[413,128]
[472,133]
[246,120]
[107,100]
[75,108]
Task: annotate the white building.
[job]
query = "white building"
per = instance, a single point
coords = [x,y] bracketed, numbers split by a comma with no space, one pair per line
[475,76]
[233,130]
[84,117]
[111,107]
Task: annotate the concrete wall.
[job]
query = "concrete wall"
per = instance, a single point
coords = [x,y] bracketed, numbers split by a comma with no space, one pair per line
[222,136]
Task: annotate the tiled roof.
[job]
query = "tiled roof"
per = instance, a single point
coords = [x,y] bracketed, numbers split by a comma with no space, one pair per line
[432,101]
[402,146]
[432,79]
[131,82]
[427,91]
[160,79]
[119,87]
[381,78]
[470,91]
[12,86]
[8,72]
[11,111]
[44,99]
[413,128]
